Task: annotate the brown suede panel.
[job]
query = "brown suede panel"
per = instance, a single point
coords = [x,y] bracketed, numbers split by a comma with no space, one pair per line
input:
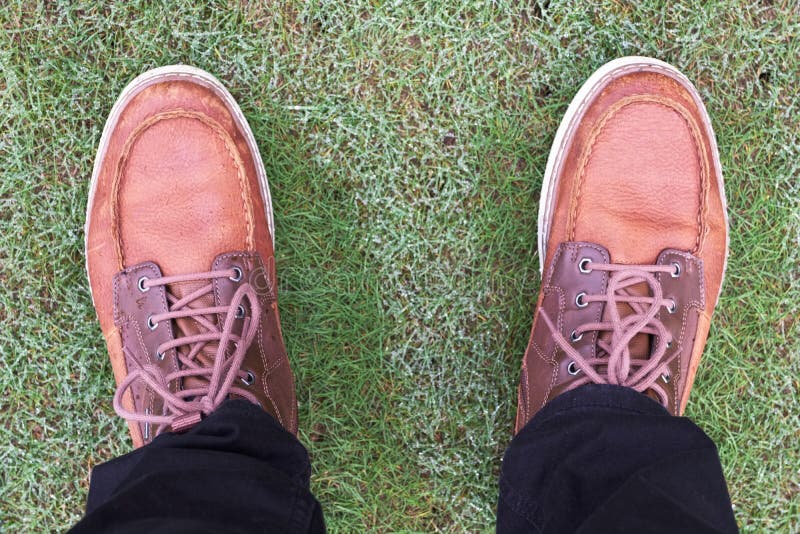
[544,365]
[132,308]
[266,358]
[689,293]
[545,372]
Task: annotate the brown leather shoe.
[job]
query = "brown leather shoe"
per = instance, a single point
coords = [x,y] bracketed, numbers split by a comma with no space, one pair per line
[633,235]
[179,254]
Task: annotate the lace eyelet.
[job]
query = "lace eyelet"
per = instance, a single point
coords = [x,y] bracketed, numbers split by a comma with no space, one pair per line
[676,272]
[160,356]
[573,369]
[240,311]
[237,274]
[248,379]
[575,337]
[142,287]
[579,300]
[150,324]
[666,378]
[669,343]
[582,266]
[673,307]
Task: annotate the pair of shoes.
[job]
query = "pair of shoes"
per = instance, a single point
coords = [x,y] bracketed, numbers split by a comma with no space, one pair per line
[179,248]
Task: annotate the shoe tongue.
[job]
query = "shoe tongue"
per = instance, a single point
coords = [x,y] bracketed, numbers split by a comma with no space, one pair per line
[188,326]
[640,345]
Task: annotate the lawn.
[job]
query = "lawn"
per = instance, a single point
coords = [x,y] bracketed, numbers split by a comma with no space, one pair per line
[405,144]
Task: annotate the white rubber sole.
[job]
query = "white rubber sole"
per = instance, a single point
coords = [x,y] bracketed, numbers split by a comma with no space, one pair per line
[572,118]
[166,74]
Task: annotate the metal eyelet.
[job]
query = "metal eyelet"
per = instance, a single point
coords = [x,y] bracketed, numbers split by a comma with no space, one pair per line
[669,343]
[240,311]
[666,378]
[237,274]
[160,356]
[141,285]
[582,266]
[249,378]
[676,272]
[574,337]
[150,324]
[579,301]
[573,369]
[673,307]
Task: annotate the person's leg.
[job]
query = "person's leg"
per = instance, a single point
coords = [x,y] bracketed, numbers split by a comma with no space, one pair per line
[236,471]
[605,458]
[632,245]
[179,252]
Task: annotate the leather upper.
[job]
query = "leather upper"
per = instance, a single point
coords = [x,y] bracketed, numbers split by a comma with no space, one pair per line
[177,192]
[637,182]
[638,175]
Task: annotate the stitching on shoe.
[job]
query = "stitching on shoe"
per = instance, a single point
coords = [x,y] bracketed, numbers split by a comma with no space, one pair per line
[552,358]
[256,264]
[645,67]
[595,134]
[162,293]
[552,269]
[599,314]
[136,134]
[127,320]
[692,304]
[215,265]
[268,369]
[265,374]
[147,390]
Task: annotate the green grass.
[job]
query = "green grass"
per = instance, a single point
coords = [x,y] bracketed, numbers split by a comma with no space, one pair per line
[405,144]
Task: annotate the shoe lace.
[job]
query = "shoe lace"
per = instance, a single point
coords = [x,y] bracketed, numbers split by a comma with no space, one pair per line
[613,363]
[185,407]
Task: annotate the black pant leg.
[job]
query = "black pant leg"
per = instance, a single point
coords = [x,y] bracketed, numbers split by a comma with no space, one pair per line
[608,459]
[236,471]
